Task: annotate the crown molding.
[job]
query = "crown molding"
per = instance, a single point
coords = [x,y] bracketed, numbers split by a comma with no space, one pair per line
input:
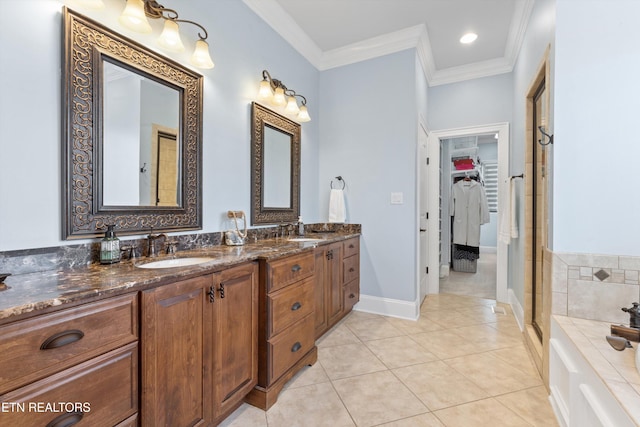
[408,38]
[374,47]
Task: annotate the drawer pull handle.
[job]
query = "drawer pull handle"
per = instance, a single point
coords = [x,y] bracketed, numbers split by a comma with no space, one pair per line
[61,339]
[221,289]
[296,306]
[297,346]
[351,246]
[296,268]
[66,420]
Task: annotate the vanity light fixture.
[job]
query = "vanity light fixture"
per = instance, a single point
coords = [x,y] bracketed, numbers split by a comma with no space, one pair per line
[135,16]
[275,92]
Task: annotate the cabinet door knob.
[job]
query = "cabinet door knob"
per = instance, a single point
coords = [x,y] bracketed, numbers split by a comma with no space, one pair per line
[296,268]
[66,420]
[61,339]
[352,295]
[351,246]
[297,346]
[296,306]
[351,270]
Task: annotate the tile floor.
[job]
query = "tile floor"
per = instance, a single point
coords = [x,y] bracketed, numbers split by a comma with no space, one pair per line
[462,364]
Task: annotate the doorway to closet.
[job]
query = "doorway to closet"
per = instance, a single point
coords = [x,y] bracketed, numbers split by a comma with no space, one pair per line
[469,212]
[459,143]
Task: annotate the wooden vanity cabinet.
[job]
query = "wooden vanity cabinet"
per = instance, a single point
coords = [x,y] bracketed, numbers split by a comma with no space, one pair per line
[286,338]
[199,347]
[337,282]
[85,357]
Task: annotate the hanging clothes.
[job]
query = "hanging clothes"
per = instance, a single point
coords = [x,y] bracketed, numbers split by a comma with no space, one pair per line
[470,210]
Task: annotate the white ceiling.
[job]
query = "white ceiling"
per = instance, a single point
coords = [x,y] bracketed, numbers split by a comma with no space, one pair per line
[332,33]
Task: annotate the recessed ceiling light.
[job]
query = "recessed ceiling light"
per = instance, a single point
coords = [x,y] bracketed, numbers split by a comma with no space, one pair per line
[468,38]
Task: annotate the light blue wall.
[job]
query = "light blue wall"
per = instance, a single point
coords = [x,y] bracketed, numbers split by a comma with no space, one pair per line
[539,36]
[471,103]
[242,45]
[596,149]
[368,129]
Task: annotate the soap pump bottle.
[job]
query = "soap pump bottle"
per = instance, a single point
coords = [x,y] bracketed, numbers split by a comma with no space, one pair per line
[110,247]
[300,227]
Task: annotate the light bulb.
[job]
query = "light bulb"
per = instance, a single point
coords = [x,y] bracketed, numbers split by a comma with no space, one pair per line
[265,93]
[303,115]
[292,106]
[170,37]
[278,97]
[133,17]
[201,57]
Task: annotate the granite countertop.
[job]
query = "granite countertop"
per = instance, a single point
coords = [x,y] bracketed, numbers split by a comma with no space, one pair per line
[25,295]
[616,369]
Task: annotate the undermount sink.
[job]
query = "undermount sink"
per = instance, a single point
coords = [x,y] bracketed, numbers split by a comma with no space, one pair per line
[304,239]
[174,262]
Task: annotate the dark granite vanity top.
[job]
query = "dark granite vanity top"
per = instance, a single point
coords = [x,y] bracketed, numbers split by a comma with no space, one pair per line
[25,295]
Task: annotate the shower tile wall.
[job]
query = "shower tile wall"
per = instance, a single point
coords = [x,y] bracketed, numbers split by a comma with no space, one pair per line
[596,287]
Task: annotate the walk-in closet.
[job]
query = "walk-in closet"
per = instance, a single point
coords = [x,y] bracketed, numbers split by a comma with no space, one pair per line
[468,215]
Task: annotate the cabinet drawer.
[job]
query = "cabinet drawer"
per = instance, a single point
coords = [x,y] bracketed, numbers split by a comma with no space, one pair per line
[351,294]
[289,347]
[35,348]
[351,269]
[285,271]
[291,304]
[100,392]
[351,247]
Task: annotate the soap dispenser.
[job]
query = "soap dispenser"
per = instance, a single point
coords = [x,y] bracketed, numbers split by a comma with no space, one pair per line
[110,247]
[300,226]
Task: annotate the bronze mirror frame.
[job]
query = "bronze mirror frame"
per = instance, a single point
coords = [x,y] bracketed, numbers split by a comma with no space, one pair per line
[260,117]
[86,43]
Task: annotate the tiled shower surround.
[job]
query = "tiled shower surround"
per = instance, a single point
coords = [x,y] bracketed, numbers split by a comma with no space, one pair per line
[69,256]
[596,287]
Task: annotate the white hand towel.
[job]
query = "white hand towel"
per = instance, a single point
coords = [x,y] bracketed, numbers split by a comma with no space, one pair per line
[508,221]
[337,211]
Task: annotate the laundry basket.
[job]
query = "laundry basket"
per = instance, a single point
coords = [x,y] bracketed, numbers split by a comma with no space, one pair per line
[465,265]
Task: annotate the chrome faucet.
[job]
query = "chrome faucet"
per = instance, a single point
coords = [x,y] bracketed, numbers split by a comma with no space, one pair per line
[151,239]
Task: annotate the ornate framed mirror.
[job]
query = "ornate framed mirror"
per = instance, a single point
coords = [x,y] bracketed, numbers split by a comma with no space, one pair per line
[132,130]
[275,167]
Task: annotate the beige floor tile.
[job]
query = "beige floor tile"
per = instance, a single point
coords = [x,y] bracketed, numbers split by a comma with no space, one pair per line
[415,326]
[531,404]
[315,405]
[246,416]
[485,334]
[519,358]
[377,398]
[482,413]
[373,329]
[348,360]
[438,385]
[446,345]
[396,352]
[424,420]
[314,374]
[492,374]
[338,335]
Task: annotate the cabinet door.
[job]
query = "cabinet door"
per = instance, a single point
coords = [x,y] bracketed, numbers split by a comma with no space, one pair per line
[333,281]
[175,332]
[321,315]
[235,341]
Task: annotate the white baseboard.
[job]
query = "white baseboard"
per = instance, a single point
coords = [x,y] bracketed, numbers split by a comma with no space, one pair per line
[517,309]
[388,307]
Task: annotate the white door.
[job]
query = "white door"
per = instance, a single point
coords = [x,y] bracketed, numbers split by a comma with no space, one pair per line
[424,216]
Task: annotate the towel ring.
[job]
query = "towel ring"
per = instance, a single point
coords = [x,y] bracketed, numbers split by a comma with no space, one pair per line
[339,178]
